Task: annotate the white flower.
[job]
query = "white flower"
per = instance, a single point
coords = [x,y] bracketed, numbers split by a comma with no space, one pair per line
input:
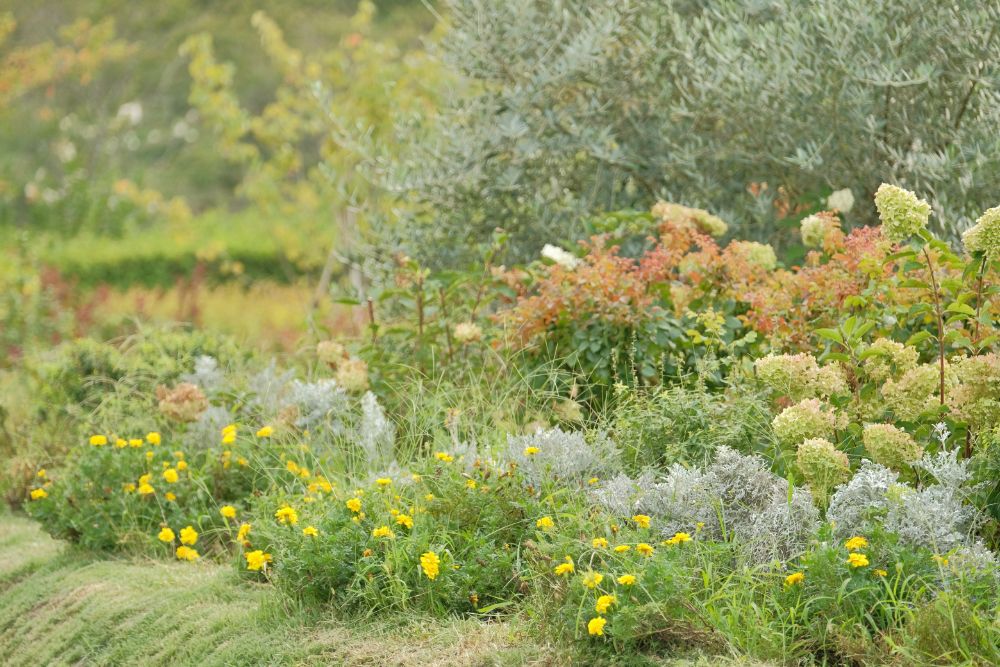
[560,256]
[841,200]
[131,112]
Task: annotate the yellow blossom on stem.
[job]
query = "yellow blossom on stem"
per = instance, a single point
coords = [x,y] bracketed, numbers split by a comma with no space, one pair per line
[430,564]
[596,625]
[153,438]
[622,548]
[257,560]
[310,531]
[189,535]
[531,451]
[354,504]
[641,520]
[265,432]
[626,579]
[679,538]
[171,476]
[545,523]
[98,440]
[857,560]
[38,494]
[794,578]
[186,553]
[604,603]
[241,534]
[228,511]
[287,515]
[856,543]
[592,579]
[599,543]
[644,549]
[444,456]
[166,535]
[404,520]
[565,568]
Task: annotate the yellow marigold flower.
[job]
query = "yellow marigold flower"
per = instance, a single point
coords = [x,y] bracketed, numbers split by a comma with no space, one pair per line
[383,482]
[354,504]
[189,535]
[644,549]
[626,579]
[146,490]
[166,535]
[230,428]
[383,531]
[229,438]
[430,564]
[405,520]
[243,462]
[146,479]
[98,440]
[429,497]
[367,553]
[287,515]
[228,511]
[241,534]
[794,578]
[38,494]
[641,520]
[257,560]
[531,451]
[856,543]
[182,465]
[470,484]
[170,475]
[41,474]
[679,538]
[310,531]
[170,496]
[592,579]
[153,438]
[565,568]
[129,488]
[186,553]
[149,456]
[622,548]
[121,443]
[545,523]
[592,481]
[136,442]
[265,432]
[604,603]
[292,467]
[857,560]
[600,543]
[596,625]
[444,456]
[879,573]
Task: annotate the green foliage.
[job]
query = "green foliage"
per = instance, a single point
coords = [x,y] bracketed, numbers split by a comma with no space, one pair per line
[573,108]
[679,424]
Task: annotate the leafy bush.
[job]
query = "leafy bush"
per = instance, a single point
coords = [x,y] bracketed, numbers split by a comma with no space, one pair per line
[582,109]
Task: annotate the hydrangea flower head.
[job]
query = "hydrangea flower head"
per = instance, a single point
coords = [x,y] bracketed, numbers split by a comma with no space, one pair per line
[903,214]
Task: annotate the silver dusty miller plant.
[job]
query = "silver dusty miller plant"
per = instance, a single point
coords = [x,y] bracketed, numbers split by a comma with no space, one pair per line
[569,456]
[736,497]
[936,516]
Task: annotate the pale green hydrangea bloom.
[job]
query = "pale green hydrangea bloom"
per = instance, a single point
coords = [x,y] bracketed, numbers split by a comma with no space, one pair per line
[984,236]
[809,418]
[823,466]
[903,214]
[889,359]
[759,254]
[890,446]
[799,376]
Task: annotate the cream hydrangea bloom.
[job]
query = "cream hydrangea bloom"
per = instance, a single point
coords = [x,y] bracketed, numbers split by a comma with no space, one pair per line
[823,466]
[984,236]
[903,214]
[809,418]
[758,254]
[890,446]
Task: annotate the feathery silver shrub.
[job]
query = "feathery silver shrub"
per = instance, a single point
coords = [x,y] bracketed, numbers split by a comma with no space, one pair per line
[321,404]
[375,434]
[567,456]
[206,375]
[935,516]
[572,107]
[736,496]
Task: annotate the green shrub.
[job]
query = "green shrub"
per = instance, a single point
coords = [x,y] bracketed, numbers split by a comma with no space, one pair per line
[574,108]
